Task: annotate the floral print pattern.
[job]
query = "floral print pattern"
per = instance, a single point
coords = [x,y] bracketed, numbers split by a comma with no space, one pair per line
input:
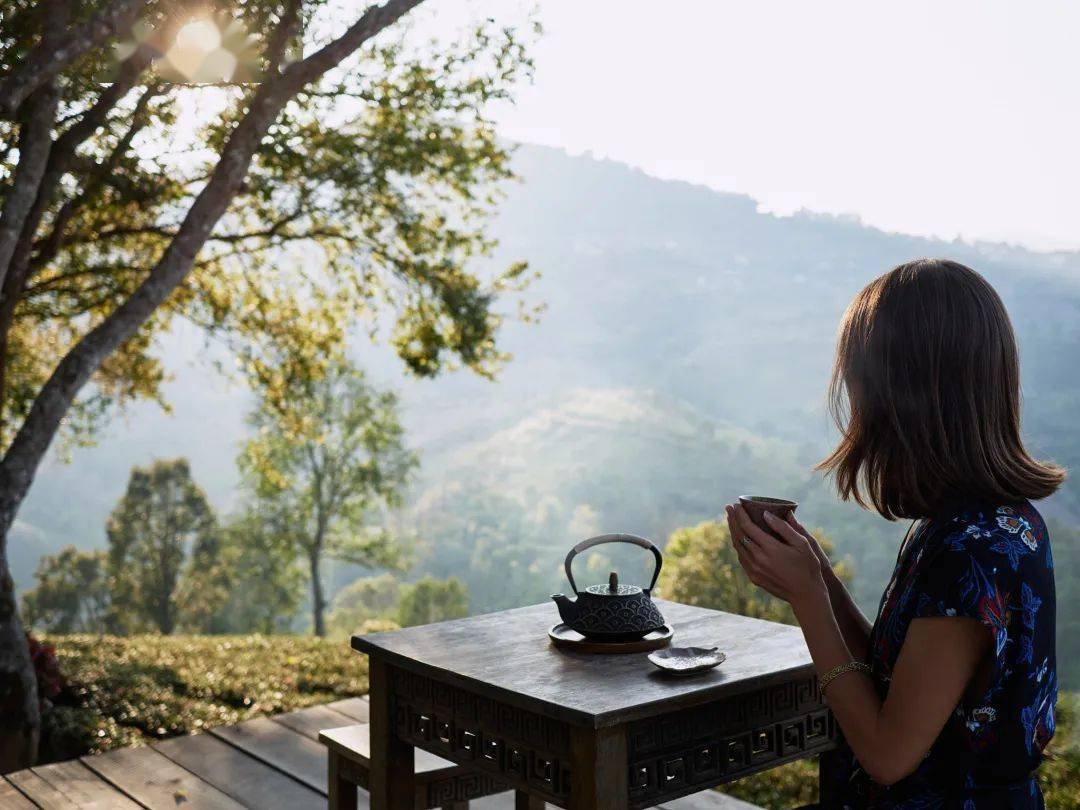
[991,563]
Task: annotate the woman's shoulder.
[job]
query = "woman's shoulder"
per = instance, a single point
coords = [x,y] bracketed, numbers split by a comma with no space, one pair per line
[1013,533]
[984,560]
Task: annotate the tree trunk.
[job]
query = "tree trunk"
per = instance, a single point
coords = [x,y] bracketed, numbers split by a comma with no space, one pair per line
[318,599]
[19,714]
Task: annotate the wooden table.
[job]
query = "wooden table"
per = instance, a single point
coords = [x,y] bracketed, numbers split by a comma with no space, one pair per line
[588,731]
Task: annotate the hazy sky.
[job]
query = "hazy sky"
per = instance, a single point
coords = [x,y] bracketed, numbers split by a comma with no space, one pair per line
[954,117]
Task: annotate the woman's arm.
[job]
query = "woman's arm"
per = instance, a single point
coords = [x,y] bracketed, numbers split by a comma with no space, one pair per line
[853,625]
[937,661]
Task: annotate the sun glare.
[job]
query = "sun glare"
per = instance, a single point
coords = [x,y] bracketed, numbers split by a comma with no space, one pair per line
[198,55]
[199,34]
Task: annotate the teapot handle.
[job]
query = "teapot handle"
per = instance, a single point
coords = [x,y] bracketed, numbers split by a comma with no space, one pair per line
[614,538]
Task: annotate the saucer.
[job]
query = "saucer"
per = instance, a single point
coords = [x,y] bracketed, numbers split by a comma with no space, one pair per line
[687,660]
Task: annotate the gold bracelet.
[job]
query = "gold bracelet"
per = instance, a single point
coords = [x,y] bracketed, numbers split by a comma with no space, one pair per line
[836,672]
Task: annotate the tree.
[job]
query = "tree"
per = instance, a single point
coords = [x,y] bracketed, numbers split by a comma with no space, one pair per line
[118,215]
[72,594]
[701,568]
[264,590]
[362,601]
[382,601]
[328,450]
[163,546]
[432,600]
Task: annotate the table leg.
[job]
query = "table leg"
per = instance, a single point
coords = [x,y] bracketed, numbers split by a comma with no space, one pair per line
[341,792]
[392,781]
[598,775]
[526,801]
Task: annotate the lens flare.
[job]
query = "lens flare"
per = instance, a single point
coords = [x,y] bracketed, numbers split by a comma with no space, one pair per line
[200,35]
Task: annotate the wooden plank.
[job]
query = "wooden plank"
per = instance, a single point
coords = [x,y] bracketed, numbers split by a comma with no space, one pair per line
[11,798]
[507,656]
[40,792]
[312,720]
[708,800]
[500,801]
[281,747]
[155,781]
[70,784]
[244,778]
[358,708]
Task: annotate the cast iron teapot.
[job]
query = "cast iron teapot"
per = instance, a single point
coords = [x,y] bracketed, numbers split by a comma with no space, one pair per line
[611,612]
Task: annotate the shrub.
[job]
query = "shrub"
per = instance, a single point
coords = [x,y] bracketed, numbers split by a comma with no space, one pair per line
[130,691]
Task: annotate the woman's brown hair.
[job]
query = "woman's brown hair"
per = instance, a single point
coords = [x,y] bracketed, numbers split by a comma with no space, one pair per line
[926,393]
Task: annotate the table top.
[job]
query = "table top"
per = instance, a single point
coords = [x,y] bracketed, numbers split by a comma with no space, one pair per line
[507,655]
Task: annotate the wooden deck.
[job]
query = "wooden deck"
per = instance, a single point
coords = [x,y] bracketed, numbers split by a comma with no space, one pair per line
[269,763]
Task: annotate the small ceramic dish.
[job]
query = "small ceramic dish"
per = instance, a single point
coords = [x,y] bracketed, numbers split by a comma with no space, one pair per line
[687,660]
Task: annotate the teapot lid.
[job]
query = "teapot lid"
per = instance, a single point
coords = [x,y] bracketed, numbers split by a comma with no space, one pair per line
[613,588]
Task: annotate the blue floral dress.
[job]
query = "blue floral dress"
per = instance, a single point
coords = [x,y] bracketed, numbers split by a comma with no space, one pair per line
[991,563]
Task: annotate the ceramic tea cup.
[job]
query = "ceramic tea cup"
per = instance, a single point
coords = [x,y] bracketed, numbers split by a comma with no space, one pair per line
[757,505]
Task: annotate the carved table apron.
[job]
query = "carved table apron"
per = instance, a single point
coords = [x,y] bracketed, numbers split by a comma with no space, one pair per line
[661,750]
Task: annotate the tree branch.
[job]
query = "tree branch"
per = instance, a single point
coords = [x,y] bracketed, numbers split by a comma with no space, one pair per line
[35,142]
[374,20]
[127,77]
[60,157]
[51,244]
[53,53]
[75,369]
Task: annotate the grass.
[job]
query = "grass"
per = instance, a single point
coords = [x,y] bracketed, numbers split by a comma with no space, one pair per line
[130,691]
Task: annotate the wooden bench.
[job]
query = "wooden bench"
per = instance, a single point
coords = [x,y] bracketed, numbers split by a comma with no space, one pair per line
[439,783]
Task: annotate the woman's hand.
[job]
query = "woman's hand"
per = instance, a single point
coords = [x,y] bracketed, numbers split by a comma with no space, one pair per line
[823,558]
[789,569]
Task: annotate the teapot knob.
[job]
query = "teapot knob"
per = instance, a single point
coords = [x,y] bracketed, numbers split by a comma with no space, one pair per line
[613,582]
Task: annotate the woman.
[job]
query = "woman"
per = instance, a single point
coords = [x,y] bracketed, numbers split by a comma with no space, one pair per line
[948,699]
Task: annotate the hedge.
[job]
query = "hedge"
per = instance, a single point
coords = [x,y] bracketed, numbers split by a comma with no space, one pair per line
[130,691]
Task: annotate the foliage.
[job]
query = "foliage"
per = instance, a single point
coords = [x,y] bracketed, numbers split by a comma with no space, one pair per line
[46,669]
[164,553]
[432,600]
[787,786]
[329,449]
[378,603]
[266,581]
[239,578]
[1059,774]
[1065,542]
[137,689]
[371,187]
[504,557]
[702,568]
[72,594]
[364,600]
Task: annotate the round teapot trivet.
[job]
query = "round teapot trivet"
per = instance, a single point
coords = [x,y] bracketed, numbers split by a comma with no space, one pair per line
[566,637]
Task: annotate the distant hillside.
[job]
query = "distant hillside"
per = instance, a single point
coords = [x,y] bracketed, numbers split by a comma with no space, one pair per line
[501,512]
[682,359]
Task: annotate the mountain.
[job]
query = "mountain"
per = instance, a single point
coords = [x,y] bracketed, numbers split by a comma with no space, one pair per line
[681,360]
